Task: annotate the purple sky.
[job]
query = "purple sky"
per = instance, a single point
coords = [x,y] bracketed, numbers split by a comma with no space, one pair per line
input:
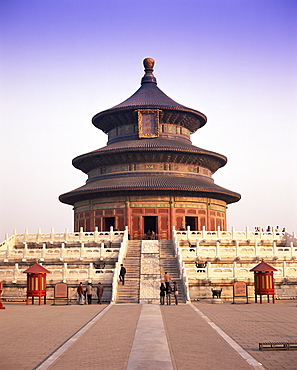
[64,61]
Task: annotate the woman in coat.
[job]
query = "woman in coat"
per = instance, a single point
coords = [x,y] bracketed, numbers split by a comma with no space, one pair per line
[162,293]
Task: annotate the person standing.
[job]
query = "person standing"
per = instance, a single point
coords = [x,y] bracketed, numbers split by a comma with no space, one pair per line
[162,294]
[99,292]
[80,292]
[122,274]
[167,279]
[168,294]
[175,292]
[89,293]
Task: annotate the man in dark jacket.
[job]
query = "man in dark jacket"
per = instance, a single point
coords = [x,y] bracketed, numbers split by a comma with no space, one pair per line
[122,274]
[80,292]
[99,292]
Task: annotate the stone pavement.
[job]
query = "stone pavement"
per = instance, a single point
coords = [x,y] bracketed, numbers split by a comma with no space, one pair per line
[131,336]
[250,324]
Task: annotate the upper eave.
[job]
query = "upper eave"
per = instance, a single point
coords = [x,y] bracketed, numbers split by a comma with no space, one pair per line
[149,96]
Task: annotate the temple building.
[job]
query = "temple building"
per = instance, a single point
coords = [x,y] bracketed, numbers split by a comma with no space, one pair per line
[151,204]
[149,177]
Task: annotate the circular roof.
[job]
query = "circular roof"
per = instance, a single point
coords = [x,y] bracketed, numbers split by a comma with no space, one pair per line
[203,187]
[151,97]
[159,148]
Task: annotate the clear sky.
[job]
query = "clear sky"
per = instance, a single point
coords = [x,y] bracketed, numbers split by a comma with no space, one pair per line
[63,61]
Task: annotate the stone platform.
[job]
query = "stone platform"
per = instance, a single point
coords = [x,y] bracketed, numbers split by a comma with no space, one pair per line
[133,336]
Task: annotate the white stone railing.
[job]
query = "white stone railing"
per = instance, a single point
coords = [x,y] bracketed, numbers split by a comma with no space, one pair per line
[60,273]
[247,235]
[9,241]
[121,256]
[182,269]
[233,271]
[238,251]
[59,252]
[66,237]
[235,244]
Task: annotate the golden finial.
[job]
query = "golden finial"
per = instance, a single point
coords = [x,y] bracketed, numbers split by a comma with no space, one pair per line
[148,64]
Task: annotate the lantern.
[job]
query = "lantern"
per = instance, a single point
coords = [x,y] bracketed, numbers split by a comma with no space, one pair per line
[264,284]
[36,282]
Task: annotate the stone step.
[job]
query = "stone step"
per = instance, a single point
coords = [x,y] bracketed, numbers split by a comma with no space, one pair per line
[129,293]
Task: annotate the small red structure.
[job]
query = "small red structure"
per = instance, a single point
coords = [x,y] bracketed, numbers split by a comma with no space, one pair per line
[264,284]
[1,291]
[36,282]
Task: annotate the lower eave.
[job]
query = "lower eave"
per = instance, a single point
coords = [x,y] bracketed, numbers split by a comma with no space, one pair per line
[191,187]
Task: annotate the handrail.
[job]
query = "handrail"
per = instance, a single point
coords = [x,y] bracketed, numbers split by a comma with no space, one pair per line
[121,256]
[182,269]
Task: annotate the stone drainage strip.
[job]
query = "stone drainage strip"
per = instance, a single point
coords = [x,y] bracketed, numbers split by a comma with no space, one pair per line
[277,346]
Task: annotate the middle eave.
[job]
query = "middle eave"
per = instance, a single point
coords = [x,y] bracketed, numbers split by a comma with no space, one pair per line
[149,150]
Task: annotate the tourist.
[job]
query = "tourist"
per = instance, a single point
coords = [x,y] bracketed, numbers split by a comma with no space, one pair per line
[167,279]
[80,292]
[122,274]
[162,293]
[175,292]
[89,293]
[100,289]
[168,294]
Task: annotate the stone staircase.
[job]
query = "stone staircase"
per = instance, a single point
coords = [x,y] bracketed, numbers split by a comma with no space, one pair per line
[129,293]
[169,263]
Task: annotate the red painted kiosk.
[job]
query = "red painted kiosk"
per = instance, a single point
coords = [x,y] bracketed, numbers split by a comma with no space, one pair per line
[36,282]
[264,284]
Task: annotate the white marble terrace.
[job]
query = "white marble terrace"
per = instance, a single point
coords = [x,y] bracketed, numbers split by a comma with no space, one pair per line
[217,247]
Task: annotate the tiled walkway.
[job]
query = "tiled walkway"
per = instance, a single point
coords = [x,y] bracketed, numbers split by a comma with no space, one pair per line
[119,337]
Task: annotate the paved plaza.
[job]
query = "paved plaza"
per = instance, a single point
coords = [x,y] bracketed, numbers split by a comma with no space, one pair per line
[201,335]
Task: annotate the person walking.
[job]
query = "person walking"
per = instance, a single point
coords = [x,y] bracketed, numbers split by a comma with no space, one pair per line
[80,292]
[167,279]
[122,274]
[168,294]
[175,292]
[162,294]
[100,289]
[89,293]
